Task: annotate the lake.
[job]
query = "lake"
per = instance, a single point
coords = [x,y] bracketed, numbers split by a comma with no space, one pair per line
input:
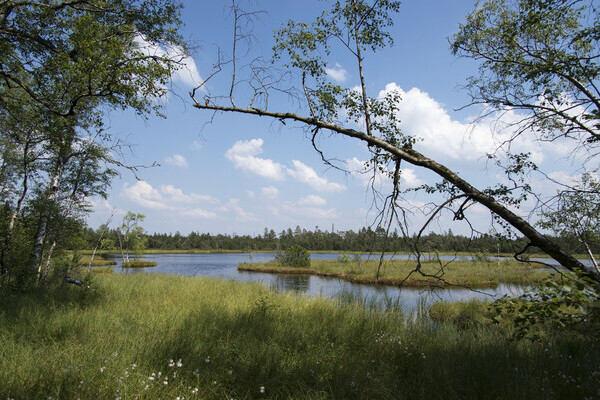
[224,266]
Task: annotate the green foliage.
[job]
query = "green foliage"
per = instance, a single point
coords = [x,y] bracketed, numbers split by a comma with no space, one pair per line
[219,337]
[576,214]
[131,235]
[295,257]
[573,304]
[344,258]
[539,56]
[63,66]
[138,264]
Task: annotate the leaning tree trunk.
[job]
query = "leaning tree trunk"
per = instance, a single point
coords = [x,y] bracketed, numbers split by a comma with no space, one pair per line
[415,158]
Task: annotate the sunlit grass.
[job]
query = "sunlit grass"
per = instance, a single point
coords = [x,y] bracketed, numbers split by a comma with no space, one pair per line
[477,273]
[162,337]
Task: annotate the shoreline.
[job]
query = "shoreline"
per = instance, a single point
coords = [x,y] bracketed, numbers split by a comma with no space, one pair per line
[425,253]
[431,283]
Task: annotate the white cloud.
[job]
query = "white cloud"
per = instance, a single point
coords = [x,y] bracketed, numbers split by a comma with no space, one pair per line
[143,194]
[177,160]
[196,145]
[176,195]
[243,154]
[199,212]
[338,73]
[187,73]
[357,168]
[168,197]
[295,210]
[444,138]
[305,174]
[269,192]
[234,206]
[312,200]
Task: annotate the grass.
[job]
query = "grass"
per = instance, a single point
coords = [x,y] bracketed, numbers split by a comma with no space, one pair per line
[99,261]
[480,273]
[160,337]
[103,270]
[138,264]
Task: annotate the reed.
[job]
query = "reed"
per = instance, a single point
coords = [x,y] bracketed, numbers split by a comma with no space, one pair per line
[161,337]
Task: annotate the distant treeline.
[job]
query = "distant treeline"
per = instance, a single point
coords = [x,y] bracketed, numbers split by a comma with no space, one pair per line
[366,239]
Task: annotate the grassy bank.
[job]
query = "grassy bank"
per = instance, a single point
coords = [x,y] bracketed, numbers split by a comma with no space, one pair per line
[138,264]
[468,273]
[98,261]
[160,337]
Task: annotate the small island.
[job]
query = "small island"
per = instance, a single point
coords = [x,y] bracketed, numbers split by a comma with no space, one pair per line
[138,264]
[435,274]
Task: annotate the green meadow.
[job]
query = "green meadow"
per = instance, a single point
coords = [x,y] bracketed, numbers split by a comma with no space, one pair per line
[165,337]
[475,274]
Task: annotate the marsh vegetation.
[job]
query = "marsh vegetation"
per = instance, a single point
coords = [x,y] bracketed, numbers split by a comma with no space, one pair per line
[155,336]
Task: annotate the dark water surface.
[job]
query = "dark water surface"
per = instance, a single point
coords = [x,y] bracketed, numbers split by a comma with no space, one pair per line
[224,266]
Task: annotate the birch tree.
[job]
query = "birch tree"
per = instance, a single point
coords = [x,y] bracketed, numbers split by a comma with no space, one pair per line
[360,27]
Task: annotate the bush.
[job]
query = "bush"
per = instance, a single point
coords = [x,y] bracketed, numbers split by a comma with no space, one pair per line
[573,304]
[295,256]
[138,264]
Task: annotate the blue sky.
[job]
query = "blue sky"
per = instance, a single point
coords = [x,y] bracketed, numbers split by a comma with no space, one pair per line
[240,174]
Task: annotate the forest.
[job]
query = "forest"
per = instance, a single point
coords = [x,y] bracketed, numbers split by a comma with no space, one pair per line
[364,240]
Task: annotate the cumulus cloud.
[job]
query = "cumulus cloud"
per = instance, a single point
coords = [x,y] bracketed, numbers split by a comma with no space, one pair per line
[357,168]
[269,192]
[187,73]
[243,155]
[196,145]
[233,206]
[312,200]
[446,138]
[337,74]
[305,174]
[177,160]
[143,194]
[168,197]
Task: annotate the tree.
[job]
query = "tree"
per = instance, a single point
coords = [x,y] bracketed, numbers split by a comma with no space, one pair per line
[63,66]
[131,236]
[577,214]
[539,56]
[360,27]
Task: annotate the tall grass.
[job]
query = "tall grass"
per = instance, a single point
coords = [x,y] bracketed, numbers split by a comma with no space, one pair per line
[162,337]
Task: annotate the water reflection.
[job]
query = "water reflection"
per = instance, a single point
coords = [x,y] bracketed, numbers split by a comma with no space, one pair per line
[294,283]
[225,266]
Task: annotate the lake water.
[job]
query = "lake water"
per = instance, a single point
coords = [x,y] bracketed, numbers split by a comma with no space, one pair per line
[224,266]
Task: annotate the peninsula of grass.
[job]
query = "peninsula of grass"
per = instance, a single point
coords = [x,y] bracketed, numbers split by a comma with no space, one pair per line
[162,337]
[138,264]
[475,274]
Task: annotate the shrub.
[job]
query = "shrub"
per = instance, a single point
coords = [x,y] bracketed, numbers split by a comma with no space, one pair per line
[343,258]
[295,256]
[138,264]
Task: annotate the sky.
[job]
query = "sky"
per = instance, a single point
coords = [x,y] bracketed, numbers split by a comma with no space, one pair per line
[236,174]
